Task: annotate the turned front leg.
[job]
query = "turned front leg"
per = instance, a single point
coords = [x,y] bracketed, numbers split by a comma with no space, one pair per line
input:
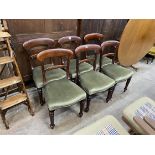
[51,115]
[81,108]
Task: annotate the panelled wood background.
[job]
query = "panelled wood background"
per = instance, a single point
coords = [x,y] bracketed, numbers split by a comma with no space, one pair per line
[23,30]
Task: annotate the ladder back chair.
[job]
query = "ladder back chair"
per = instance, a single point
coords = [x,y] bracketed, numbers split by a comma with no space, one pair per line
[33,47]
[92,82]
[97,38]
[113,70]
[72,42]
[60,93]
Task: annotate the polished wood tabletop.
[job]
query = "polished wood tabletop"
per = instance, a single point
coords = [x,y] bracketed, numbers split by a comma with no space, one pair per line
[137,39]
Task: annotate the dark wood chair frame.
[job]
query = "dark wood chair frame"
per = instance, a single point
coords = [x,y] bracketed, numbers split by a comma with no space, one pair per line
[114,44]
[73,42]
[97,37]
[97,50]
[61,54]
[41,44]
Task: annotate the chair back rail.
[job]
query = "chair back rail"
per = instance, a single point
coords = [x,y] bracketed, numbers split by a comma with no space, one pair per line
[63,54]
[86,49]
[104,53]
[72,41]
[34,46]
[94,36]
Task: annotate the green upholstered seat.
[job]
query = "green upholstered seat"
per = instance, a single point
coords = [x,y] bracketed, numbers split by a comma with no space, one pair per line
[51,75]
[130,111]
[117,72]
[103,126]
[62,93]
[105,61]
[83,67]
[94,82]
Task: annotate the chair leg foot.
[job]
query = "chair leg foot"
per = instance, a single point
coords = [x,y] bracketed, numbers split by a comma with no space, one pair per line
[3,113]
[81,108]
[51,115]
[127,83]
[41,96]
[88,104]
[110,93]
[30,109]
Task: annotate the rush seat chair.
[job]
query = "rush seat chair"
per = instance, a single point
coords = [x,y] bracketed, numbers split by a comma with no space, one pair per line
[113,70]
[92,82]
[72,42]
[33,47]
[140,108]
[96,38]
[108,125]
[62,92]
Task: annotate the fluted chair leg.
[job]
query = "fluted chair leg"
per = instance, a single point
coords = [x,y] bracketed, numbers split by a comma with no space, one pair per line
[82,103]
[110,93]
[88,103]
[51,115]
[40,96]
[127,83]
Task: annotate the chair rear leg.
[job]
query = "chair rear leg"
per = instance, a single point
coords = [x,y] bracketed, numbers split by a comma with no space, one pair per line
[88,103]
[41,96]
[30,109]
[110,93]
[51,115]
[81,108]
[3,113]
[127,83]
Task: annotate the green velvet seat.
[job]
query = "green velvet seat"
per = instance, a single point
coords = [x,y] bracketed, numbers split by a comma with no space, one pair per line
[117,72]
[144,106]
[105,61]
[83,67]
[62,93]
[93,82]
[108,125]
[52,75]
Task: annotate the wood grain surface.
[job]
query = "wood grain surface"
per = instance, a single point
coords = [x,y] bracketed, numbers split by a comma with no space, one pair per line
[137,39]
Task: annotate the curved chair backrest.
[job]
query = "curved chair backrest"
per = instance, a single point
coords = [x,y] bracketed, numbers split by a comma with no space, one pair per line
[94,38]
[70,42]
[34,46]
[59,53]
[86,49]
[108,44]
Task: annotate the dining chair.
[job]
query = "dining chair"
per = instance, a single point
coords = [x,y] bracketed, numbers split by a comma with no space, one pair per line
[33,47]
[72,42]
[60,93]
[97,38]
[92,82]
[114,70]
